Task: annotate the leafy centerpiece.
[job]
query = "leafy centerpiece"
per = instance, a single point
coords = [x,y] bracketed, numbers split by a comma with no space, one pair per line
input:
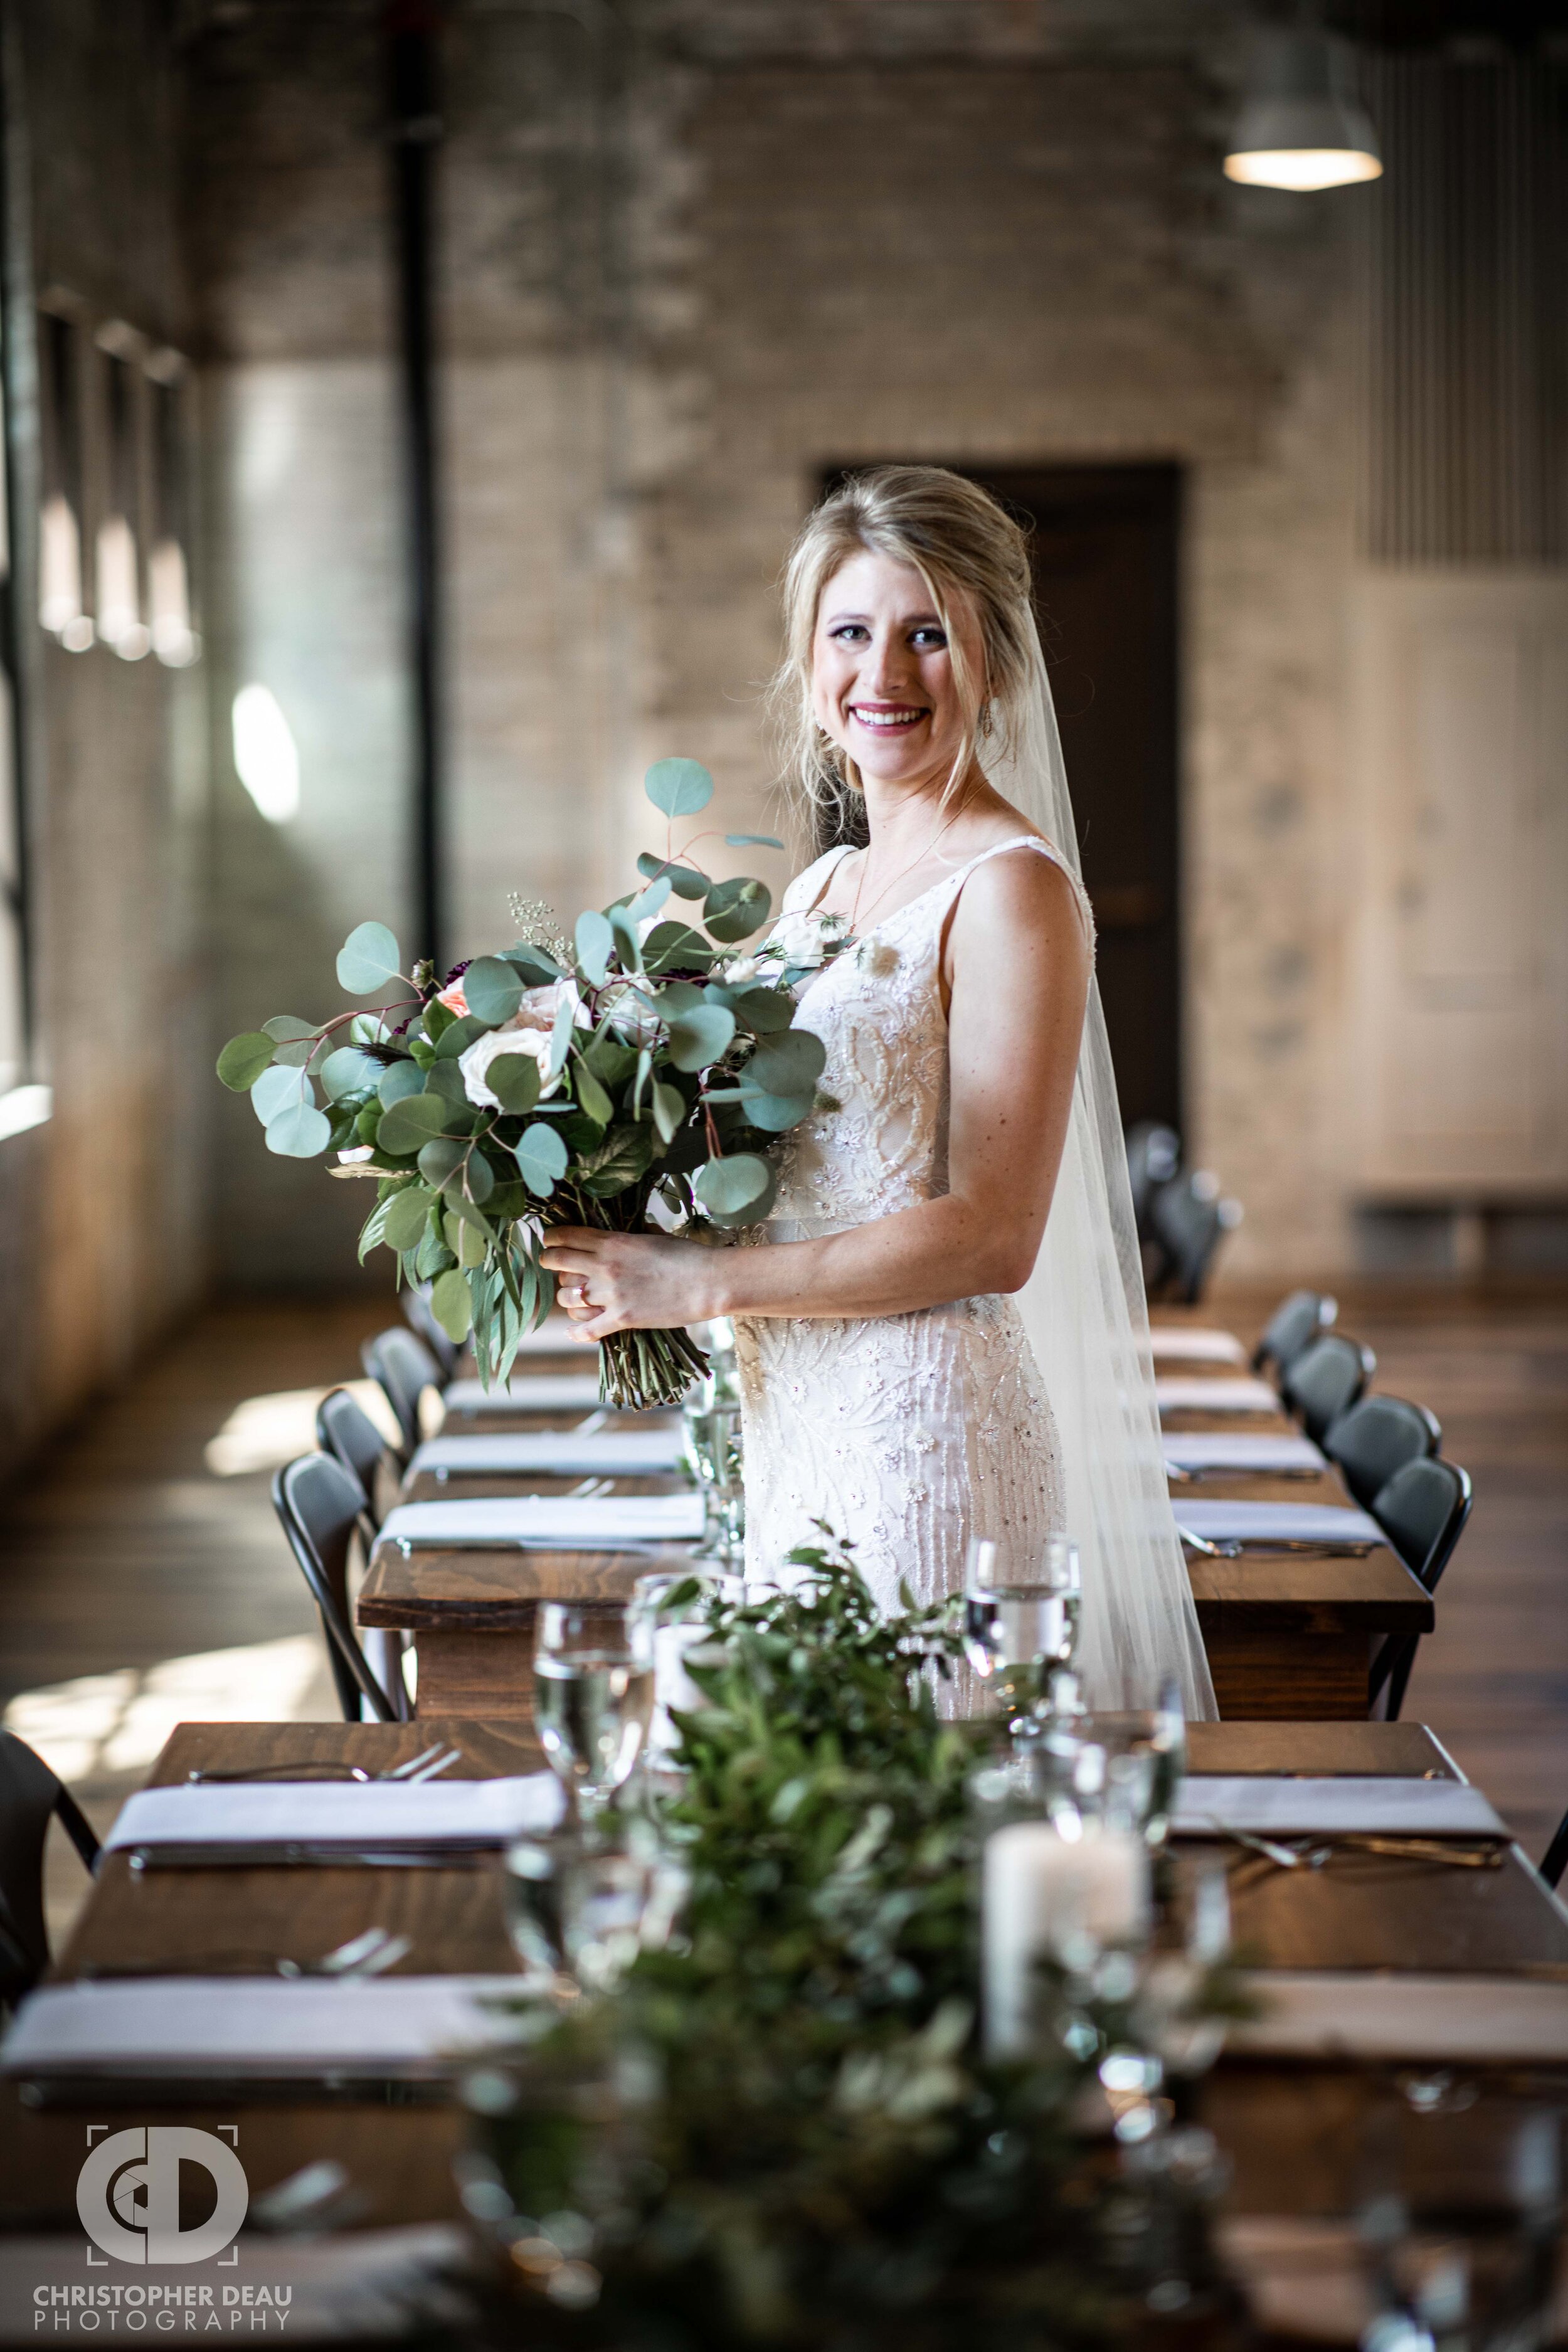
[558,1083]
[782,2130]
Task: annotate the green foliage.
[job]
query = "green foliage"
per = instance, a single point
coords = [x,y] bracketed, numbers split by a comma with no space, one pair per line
[698,1039]
[728,1188]
[542,1158]
[243,1059]
[411,1121]
[513,1079]
[450,1305]
[493,989]
[733,911]
[678,787]
[368,959]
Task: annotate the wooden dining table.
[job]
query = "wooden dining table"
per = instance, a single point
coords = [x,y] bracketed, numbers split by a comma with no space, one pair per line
[1361,1912]
[1291,1635]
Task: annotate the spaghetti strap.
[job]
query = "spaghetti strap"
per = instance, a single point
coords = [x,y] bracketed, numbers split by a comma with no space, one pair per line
[1046,849]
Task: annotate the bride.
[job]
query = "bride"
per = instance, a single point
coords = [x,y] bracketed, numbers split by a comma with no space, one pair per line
[946,1335]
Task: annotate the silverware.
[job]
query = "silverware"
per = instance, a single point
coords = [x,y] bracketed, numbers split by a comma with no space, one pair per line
[1274,1850]
[1192,1477]
[416,1768]
[591,1486]
[594,1423]
[367,1955]
[287,1854]
[1232,1547]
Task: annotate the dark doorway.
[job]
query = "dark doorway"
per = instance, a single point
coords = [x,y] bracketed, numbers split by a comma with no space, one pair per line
[1104,542]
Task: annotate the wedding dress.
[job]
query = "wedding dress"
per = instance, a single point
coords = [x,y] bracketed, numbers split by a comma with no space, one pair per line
[906,1434]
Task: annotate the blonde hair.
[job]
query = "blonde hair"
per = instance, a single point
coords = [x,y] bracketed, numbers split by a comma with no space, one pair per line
[968,550]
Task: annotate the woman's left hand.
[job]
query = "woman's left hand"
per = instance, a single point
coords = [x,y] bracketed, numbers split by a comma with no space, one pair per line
[630,1282]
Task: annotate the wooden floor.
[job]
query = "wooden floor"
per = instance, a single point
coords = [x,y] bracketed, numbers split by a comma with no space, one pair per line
[138,1586]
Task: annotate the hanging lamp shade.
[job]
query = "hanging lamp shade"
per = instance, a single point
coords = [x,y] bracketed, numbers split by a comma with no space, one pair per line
[1301,125]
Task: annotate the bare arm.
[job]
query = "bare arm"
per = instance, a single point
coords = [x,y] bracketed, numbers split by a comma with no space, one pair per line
[1019,965]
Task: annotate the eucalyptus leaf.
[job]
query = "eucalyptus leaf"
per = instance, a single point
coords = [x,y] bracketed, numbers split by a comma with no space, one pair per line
[776,1114]
[407,1214]
[349,1072]
[294,1054]
[668,1110]
[647,902]
[461,1034]
[698,1038]
[243,1060]
[619,1161]
[440,1159]
[676,947]
[536,964]
[766,1010]
[513,1079]
[733,911]
[446,1080]
[752,841]
[728,1187]
[790,1063]
[595,944]
[277,1091]
[478,1177]
[541,1156]
[299,1133]
[591,1095]
[285,1026]
[373,1232]
[493,989]
[451,1305]
[466,1242]
[368,959]
[678,787]
[561,1034]
[410,1122]
[628,946]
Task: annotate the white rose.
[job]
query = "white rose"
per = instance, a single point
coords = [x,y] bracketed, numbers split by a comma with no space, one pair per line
[529,1031]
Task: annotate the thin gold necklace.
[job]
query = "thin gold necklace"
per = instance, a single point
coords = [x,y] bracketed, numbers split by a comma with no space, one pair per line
[918,859]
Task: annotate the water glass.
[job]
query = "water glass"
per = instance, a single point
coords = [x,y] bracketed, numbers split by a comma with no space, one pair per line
[1123,1764]
[593,1698]
[534,1871]
[1458,2220]
[713,1446]
[1021,1619]
[668,1614]
[618,1900]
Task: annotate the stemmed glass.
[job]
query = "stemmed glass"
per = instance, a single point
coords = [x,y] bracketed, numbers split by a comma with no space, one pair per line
[1020,1622]
[713,1444]
[593,1697]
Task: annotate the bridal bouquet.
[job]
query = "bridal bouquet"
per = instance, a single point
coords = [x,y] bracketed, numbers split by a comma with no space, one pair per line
[643,1067]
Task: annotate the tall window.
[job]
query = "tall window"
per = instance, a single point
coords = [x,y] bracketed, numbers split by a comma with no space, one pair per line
[119,615]
[174,639]
[61,605]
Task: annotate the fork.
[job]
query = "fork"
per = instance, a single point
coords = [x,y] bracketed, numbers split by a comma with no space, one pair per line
[587,1487]
[416,1768]
[367,1955]
[1233,1546]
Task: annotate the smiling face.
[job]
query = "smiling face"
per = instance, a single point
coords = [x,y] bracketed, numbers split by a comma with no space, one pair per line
[882,683]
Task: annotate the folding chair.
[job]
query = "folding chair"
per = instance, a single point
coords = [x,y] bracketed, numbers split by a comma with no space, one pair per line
[1153,1156]
[1422,1511]
[1188,1220]
[404,1368]
[1295,1323]
[347,1433]
[31,1796]
[1378,1436]
[1325,1382]
[321,1507]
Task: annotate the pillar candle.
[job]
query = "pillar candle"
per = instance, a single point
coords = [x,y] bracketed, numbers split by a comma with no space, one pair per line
[1038,1888]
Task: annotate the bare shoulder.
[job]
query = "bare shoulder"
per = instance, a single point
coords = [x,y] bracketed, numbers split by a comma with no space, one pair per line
[1022,896]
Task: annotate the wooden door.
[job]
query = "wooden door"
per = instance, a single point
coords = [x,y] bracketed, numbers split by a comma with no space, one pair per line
[1104,542]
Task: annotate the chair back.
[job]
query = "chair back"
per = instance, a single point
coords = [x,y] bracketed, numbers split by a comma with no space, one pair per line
[1188,1220]
[346,1432]
[1326,1380]
[320,1503]
[420,1317]
[404,1368]
[30,1796]
[1422,1511]
[1376,1437]
[1295,1323]
[1153,1156]
[1554,1861]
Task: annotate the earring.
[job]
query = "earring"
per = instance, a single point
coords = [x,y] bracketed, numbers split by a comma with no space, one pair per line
[986,722]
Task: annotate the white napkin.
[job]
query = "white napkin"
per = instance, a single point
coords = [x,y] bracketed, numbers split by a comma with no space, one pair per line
[1326,1523]
[548,1522]
[1189,1345]
[255,2025]
[1245,1450]
[535,1393]
[1383,1805]
[1211,1396]
[556,1337]
[1472,2020]
[640,1451]
[345,1812]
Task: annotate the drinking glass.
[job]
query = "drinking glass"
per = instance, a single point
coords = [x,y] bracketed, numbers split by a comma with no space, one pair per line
[534,1869]
[667,1615]
[713,1445]
[1021,1615]
[1458,2220]
[1125,1762]
[593,1697]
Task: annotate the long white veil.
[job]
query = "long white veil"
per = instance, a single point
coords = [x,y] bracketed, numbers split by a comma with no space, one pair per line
[1088,1321]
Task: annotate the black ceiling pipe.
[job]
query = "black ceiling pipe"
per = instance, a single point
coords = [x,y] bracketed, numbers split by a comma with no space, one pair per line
[412,30]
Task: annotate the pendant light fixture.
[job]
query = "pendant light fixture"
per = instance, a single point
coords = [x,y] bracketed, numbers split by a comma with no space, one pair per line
[1301,125]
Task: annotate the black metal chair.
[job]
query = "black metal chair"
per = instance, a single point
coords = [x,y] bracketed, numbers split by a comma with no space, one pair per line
[1325,1382]
[1188,1219]
[347,1433]
[1422,1511]
[321,1507]
[31,1796]
[420,1317]
[404,1368]
[1153,1156]
[1554,1861]
[1295,1323]
[1378,1436]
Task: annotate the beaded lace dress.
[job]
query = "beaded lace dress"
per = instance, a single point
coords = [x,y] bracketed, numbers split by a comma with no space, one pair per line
[907,1434]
